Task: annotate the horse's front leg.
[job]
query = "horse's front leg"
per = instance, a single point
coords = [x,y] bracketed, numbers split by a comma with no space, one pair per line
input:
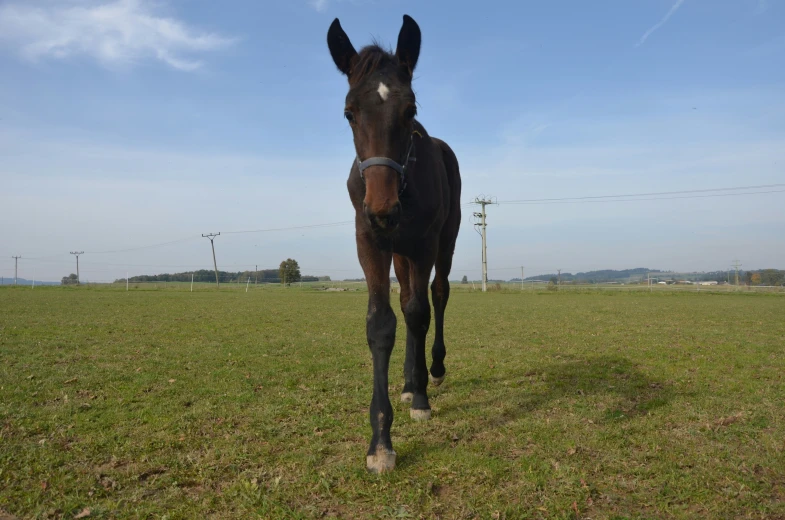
[380,330]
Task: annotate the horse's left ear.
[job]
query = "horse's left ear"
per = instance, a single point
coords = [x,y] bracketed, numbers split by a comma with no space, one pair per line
[409,39]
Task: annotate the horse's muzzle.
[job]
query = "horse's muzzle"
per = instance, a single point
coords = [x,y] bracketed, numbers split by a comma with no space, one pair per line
[385,222]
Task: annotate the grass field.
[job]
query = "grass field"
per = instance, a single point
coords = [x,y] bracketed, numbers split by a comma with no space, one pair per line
[226,404]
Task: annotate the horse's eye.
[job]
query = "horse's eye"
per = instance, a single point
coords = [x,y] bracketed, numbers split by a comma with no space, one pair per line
[349,116]
[410,112]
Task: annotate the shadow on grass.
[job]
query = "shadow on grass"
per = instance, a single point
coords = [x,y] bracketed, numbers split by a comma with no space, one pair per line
[499,400]
[635,393]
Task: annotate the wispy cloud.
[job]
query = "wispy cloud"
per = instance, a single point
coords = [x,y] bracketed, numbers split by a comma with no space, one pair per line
[322,5]
[319,5]
[659,24]
[762,6]
[118,33]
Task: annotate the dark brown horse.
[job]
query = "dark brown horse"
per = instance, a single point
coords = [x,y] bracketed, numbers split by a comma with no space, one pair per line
[405,187]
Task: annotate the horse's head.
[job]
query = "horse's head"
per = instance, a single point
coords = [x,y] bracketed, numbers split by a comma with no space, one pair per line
[380,108]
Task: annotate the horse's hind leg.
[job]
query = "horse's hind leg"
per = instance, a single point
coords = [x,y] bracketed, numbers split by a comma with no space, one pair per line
[413,276]
[440,293]
[440,288]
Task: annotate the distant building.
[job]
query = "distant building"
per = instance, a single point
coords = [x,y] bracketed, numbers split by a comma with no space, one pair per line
[708,283]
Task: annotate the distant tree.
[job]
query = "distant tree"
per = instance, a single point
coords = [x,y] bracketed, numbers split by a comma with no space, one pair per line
[755,278]
[289,271]
[772,277]
[69,280]
[465,279]
[748,277]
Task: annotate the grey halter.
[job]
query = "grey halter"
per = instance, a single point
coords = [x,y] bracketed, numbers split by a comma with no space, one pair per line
[385,161]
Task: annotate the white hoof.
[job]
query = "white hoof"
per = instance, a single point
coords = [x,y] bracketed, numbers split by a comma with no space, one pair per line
[407,397]
[381,462]
[420,415]
[436,381]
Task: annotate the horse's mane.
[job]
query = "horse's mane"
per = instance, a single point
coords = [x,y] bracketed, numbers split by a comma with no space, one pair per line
[370,59]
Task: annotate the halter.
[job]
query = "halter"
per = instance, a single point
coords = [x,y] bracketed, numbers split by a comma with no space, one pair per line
[384,161]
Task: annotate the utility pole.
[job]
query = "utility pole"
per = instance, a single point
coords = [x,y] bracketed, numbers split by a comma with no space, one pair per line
[77,253]
[559,284]
[482,224]
[16,264]
[211,236]
[256,276]
[736,264]
[521,278]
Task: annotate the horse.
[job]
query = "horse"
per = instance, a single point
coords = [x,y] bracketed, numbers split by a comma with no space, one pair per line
[405,187]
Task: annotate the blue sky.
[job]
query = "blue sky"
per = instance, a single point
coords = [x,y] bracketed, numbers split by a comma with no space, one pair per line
[128,123]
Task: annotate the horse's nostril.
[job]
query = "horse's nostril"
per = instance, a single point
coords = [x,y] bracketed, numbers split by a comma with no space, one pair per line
[389,221]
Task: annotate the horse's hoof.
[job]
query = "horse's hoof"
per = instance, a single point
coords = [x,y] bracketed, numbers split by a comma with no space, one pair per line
[382,461]
[420,415]
[407,397]
[436,381]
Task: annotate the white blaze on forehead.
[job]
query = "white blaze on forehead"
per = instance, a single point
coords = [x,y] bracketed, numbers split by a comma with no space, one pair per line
[383,91]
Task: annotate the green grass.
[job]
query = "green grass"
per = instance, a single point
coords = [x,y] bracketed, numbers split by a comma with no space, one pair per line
[226,404]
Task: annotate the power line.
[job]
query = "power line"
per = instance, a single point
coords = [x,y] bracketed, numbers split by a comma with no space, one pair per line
[39,258]
[643,199]
[161,244]
[142,247]
[655,195]
[309,226]
[563,200]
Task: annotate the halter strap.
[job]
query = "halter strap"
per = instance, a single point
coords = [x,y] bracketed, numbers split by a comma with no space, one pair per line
[386,161]
[380,161]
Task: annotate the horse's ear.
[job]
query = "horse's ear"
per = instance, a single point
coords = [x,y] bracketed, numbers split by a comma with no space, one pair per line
[408,49]
[341,48]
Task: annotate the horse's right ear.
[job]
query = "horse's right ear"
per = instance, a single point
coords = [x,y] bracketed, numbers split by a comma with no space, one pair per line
[341,48]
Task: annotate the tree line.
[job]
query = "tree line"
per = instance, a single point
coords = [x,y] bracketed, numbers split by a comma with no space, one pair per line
[289,271]
[774,277]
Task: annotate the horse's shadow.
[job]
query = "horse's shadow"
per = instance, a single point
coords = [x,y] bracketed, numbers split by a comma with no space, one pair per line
[483,406]
[635,392]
